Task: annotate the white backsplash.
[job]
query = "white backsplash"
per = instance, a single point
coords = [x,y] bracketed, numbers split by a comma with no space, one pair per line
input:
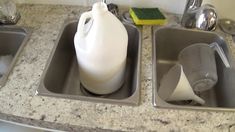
[224,7]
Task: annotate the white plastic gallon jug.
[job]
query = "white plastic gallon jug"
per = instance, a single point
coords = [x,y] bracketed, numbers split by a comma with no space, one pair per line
[101,50]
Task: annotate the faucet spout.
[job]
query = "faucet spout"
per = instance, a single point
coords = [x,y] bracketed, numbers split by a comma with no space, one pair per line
[189,16]
[8,12]
[193,4]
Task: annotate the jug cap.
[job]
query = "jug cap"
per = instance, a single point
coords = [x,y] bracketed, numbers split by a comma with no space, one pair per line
[99,7]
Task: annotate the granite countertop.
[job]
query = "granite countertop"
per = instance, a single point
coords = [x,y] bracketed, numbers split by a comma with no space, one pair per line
[20,104]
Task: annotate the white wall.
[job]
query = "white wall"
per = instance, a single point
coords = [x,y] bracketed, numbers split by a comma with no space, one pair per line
[224,7]
[176,6]
[64,2]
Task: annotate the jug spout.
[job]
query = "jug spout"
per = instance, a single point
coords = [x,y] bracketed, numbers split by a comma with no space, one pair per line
[215,46]
[99,7]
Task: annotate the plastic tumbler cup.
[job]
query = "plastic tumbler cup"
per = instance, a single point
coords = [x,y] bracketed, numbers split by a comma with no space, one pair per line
[198,61]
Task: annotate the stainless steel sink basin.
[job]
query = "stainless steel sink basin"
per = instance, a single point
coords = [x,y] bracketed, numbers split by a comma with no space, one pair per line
[167,43]
[12,41]
[60,78]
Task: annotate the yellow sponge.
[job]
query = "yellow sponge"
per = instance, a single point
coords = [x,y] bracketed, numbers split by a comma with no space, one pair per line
[147,16]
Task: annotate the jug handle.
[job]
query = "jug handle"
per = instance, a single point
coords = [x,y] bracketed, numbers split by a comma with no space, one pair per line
[81,23]
[215,46]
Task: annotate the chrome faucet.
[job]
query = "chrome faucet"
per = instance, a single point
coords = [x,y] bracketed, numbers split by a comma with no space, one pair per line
[189,16]
[200,17]
[8,12]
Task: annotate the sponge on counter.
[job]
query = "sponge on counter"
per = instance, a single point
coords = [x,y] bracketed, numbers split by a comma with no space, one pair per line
[147,16]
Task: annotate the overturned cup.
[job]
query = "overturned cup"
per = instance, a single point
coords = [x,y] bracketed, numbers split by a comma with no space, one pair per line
[199,64]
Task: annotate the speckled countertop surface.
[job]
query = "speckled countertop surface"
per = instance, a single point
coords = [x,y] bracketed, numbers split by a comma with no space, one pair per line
[19,103]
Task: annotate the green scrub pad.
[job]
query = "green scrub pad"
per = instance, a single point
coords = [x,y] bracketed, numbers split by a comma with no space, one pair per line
[147,16]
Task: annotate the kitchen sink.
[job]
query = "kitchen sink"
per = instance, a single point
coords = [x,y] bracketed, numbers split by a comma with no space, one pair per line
[167,43]
[61,75]
[12,41]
